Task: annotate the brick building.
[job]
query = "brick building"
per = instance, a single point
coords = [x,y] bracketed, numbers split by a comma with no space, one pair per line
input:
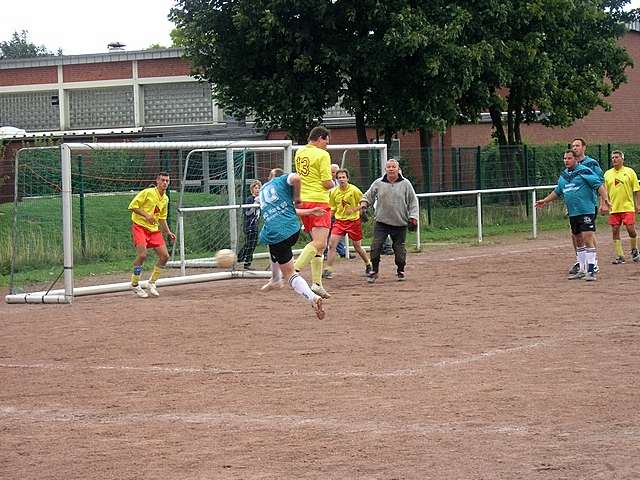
[149,88]
[619,126]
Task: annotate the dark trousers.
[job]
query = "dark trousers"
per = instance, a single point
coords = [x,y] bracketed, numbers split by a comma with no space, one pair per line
[250,242]
[398,236]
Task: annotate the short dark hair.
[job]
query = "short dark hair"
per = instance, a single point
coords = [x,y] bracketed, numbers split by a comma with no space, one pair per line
[581,140]
[343,170]
[318,132]
[163,174]
[573,154]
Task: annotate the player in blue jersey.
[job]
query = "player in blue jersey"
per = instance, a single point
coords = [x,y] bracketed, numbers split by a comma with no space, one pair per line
[278,200]
[579,147]
[576,186]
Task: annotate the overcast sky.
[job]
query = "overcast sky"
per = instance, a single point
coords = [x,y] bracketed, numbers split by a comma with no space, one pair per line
[87,26]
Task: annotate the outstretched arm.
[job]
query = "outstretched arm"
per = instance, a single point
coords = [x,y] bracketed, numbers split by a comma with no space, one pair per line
[546,200]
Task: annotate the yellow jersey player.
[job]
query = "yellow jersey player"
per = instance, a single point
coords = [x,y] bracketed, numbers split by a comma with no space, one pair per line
[313,165]
[622,187]
[344,201]
[149,210]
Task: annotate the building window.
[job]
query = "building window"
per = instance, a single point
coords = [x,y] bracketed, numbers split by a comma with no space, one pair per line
[177,103]
[31,111]
[101,108]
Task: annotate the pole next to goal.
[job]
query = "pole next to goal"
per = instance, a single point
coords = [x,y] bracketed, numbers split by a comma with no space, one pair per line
[57,296]
[66,295]
[67,232]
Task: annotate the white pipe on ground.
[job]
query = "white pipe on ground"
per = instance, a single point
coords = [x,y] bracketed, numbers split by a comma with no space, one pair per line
[57,296]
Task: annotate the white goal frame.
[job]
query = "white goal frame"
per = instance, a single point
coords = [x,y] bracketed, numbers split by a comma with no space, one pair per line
[67,294]
[210,262]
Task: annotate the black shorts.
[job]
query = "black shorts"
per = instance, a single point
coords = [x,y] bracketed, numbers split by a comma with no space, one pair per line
[583,223]
[281,252]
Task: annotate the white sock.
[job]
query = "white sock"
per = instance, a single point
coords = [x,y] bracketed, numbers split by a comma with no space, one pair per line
[591,258]
[276,272]
[582,259]
[301,287]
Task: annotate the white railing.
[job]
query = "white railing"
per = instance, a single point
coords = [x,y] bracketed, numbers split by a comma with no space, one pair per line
[478,194]
[209,262]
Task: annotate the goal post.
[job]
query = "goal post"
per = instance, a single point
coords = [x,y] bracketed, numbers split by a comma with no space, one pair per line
[190,217]
[231,181]
[72,218]
[69,200]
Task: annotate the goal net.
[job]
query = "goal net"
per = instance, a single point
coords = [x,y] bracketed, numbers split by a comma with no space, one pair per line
[69,228]
[204,227]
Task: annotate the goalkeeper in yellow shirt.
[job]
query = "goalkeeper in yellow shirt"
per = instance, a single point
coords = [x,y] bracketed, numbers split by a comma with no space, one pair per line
[622,186]
[344,201]
[149,210]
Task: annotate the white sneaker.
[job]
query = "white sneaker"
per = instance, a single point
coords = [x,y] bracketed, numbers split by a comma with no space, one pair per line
[153,291]
[319,290]
[139,291]
[267,287]
[317,308]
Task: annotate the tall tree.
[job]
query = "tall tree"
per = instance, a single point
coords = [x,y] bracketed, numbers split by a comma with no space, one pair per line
[177,38]
[553,61]
[264,58]
[410,66]
[392,64]
[19,46]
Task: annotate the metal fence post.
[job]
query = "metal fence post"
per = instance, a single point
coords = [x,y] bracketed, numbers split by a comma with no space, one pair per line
[83,229]
[525,152]
[429,181]
[534,213]
[478,169]
[479,206]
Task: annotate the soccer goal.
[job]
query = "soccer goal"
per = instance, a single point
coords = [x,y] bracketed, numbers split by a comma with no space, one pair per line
[200,225]
[70,223]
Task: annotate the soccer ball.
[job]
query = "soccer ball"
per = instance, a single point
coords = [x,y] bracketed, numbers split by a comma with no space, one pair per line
[225,258]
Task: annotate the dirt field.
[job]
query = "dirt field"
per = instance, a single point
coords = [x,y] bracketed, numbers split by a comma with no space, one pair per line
[485,364]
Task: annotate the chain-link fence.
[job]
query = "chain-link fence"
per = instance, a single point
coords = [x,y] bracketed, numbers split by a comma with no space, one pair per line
[104,182]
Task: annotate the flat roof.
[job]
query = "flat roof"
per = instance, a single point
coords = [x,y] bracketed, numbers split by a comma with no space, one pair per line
[114,56]
[72,133]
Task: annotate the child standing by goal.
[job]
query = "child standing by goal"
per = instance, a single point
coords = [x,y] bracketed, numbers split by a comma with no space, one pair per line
[251,216]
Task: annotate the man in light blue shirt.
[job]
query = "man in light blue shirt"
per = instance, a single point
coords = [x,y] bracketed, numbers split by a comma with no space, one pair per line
[278,199]
[576,186]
